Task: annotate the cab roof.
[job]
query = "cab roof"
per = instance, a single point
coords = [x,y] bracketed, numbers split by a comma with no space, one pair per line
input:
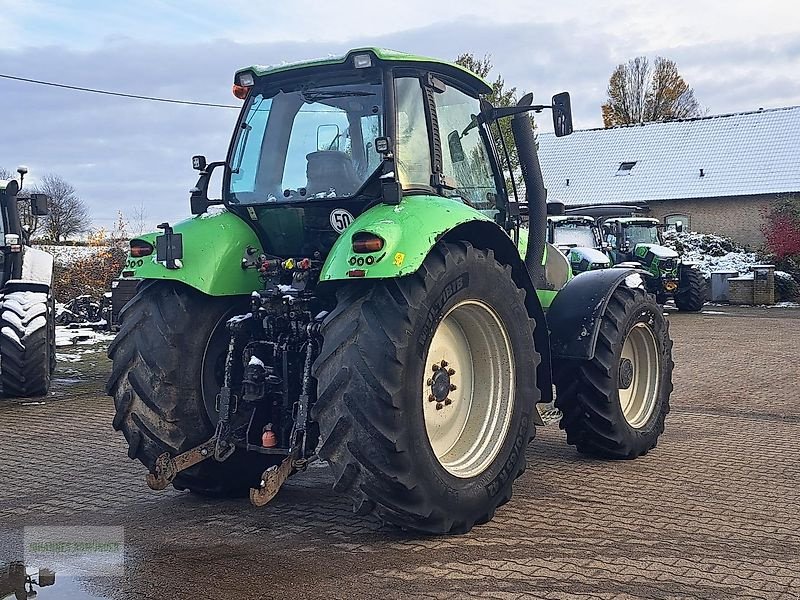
[642,220]
[572,218]
[381,54]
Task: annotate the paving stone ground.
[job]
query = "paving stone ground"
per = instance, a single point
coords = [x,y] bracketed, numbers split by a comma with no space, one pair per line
[712,512]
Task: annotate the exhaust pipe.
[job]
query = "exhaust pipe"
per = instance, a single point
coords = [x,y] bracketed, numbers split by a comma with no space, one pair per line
[535,192]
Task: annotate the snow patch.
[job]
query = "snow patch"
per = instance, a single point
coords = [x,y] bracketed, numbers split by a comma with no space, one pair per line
[711,252]
[634,280]
[213,211]
[254,360]
[66,255]
[11,334]
[83,336]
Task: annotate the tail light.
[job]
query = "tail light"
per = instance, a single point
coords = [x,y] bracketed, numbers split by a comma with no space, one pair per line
[364,242]
[140,248]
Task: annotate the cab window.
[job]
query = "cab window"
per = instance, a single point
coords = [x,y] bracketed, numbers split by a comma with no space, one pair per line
[413,159]
[465,161]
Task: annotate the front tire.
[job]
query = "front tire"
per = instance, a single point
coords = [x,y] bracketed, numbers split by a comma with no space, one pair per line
[693,292]
[27,344]
[427,387]
[165,375]
[615,404]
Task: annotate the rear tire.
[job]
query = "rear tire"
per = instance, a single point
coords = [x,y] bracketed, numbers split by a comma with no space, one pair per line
[693,292]
[615,404]
[27,343]
[389,446]
[163,372]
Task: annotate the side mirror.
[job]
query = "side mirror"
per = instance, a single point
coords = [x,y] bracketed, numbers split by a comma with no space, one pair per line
[199,162]
[39,205]
[562,114]
[328,137]
[456,149]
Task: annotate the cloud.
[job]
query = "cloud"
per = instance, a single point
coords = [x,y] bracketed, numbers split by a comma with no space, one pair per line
[119,153]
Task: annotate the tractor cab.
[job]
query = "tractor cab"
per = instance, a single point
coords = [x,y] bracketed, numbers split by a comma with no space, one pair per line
[579,238]
[319,143]
[623,234]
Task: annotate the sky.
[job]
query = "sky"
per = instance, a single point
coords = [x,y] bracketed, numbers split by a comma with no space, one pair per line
[128,155]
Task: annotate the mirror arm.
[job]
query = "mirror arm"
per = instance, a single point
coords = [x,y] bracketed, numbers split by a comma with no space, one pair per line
[198,195]
[494,114]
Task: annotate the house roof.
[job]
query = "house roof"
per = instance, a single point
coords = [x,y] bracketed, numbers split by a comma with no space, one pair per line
[740,154]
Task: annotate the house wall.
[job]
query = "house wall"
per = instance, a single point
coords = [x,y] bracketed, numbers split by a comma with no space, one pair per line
[737,217]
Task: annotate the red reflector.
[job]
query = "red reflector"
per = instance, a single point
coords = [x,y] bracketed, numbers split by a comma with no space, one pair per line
[364,242]
[140,248]
[356,273]
[240,91]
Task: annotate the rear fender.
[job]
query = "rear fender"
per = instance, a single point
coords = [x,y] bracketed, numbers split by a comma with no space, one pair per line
[410,230]
[575,315]
[213,247]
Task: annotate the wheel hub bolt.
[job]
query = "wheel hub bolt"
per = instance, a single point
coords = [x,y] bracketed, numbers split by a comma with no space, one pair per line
[625,374]
[440,384]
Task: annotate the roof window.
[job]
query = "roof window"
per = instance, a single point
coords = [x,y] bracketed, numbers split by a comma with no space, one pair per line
[625,168]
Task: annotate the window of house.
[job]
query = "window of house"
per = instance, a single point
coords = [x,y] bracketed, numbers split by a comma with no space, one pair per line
[626,167]
[670,221]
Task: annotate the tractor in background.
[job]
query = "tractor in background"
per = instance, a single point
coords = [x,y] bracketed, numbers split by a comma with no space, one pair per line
[580,239]
[27,306]
[638,241]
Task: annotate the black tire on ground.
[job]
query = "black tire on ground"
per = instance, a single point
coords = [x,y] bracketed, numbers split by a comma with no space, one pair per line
[693,291]
[51,327]
[587,391]
[370,404]
[167,360]
[27,343]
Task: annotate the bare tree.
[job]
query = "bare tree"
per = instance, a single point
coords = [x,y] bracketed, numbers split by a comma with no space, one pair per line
[638,93]
[68,213]
[5,174]
[138,219]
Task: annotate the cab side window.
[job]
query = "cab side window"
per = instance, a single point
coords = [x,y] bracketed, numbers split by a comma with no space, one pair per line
[465,160]
[413,158]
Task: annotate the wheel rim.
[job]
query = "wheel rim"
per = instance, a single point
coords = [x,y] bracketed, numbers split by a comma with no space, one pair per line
[468,388]
[639,375]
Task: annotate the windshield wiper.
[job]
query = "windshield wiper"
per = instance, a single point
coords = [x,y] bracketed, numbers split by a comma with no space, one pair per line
[315,95]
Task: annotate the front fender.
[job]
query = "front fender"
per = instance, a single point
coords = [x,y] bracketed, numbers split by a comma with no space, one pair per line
[575,315]
[213,247]
[409,230]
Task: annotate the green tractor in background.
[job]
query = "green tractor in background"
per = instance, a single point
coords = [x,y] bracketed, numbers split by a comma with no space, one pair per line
[638,240]
[579,238]
[363,293]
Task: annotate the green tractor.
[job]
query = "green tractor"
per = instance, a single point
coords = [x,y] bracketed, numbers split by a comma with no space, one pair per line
[638,240]
[579,238]
[27,306]
[359,295]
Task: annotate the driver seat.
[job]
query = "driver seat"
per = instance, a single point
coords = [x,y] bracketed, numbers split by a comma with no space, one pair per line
[328,169]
